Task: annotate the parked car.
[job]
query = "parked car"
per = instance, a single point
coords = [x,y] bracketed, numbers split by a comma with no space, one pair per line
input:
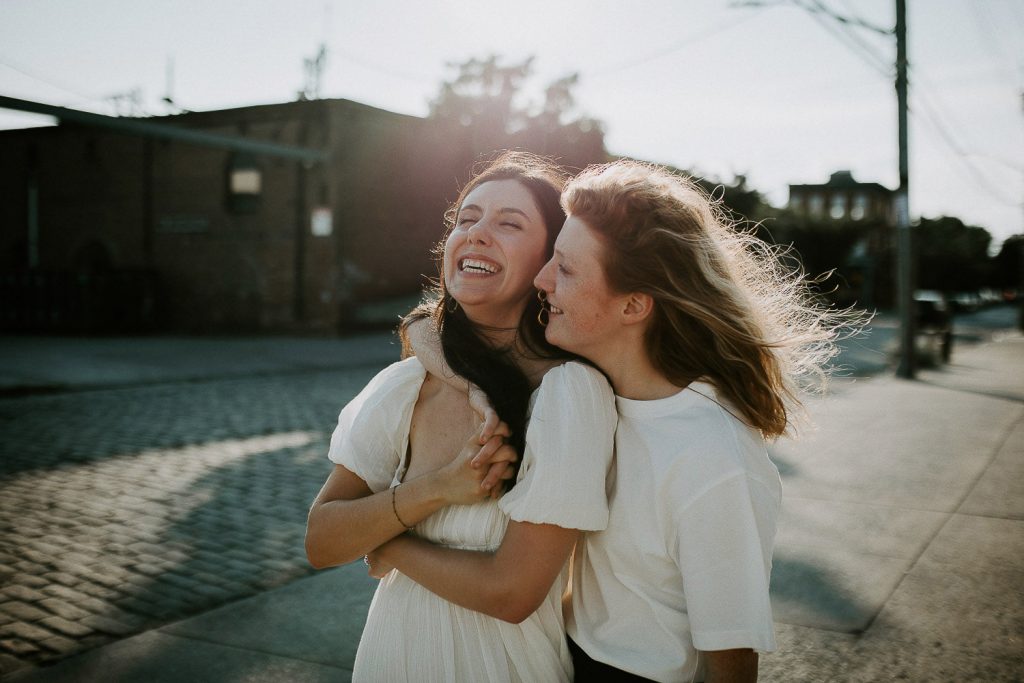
[932,310]
[966,302]
[933,316]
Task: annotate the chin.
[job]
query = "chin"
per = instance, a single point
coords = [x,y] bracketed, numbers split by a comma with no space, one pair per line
[555,339]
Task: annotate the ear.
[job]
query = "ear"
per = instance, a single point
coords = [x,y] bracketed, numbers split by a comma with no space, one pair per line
[637,308]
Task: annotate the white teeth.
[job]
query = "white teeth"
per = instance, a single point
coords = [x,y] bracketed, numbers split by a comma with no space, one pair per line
[475,266]
[554,309]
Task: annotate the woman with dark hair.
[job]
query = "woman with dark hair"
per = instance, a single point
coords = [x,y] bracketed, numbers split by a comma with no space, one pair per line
[705,338]
[404,448]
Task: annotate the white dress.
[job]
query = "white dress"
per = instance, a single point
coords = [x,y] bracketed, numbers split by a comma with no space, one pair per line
[412,634]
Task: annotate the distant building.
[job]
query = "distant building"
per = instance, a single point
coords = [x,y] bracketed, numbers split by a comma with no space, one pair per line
[866,213]
[103,230]
[842,198]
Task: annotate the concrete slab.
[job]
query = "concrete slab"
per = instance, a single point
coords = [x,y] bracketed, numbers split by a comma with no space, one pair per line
[965,593]
[1000,491]
[157,657]
[896,443]
[991,370]
[831,588]
[836,563]
[856,527]
[807,654]
[317,619]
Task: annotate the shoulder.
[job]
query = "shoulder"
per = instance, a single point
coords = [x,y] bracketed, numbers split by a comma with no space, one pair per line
[369,437]
[575,378]
[574,404]
[402,376]
[709,444]
[392,388]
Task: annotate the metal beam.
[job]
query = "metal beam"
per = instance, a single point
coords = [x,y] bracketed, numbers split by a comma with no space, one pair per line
[165,131]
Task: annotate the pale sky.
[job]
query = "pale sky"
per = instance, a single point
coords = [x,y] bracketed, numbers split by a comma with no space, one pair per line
[774,92]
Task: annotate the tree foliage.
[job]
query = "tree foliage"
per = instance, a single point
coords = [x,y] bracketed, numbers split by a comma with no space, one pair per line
[488,98]
[484,93]
[1008,264]
[952,256]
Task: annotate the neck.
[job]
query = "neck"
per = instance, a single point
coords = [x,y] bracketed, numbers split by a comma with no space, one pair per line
[498,337]
[632,373]
[503,333]
[499,328]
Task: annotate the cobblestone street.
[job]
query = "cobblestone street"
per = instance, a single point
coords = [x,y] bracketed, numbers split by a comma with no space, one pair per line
[127,508]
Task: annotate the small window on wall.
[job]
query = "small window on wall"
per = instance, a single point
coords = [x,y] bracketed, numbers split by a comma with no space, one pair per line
[859,210]
[816,205]
[796,202]
[837,209]
[245,184]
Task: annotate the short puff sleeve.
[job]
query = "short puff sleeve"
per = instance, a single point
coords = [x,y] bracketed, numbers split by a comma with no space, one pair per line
[568,453]
[373,429]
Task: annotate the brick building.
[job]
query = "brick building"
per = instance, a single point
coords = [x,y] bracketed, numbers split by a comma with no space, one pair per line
[105,230]
[843,198]
[862,216]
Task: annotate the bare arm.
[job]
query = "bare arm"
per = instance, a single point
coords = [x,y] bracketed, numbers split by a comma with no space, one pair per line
[509,584]
[347,519]
[731,666]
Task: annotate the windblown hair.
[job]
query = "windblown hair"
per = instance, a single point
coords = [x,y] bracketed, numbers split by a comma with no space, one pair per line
[726,308]
[468,352]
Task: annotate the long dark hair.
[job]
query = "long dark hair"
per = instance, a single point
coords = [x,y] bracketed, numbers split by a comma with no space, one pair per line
[468,352]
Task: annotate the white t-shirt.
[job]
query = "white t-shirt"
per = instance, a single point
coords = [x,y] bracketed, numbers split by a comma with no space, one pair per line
[685,561]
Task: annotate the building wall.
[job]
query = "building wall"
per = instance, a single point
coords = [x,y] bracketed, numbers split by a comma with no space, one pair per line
[160,212]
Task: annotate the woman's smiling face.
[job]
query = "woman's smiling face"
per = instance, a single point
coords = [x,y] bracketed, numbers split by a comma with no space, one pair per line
[496,247]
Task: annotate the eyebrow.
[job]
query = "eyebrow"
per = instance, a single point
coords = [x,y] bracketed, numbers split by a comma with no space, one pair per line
[507,209]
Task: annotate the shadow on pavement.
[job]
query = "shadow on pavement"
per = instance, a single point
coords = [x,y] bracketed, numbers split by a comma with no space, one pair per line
[808,595]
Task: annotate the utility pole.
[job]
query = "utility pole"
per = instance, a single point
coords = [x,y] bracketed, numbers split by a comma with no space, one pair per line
[905,260]
[904,234]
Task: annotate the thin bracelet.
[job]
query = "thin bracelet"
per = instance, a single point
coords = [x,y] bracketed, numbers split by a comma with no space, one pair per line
[395,508]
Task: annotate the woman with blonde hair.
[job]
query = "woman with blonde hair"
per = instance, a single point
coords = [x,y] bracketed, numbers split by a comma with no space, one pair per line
[705,338]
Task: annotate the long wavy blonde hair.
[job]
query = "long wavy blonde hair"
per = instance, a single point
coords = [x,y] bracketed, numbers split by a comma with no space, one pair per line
[727,310]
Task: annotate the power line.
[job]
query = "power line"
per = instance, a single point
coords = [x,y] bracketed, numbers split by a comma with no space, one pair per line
[688,41]
[852,20]
[846,24]
[852,43]
[24,72]
[924,89]
[412,77]
[130,99]
[934,120]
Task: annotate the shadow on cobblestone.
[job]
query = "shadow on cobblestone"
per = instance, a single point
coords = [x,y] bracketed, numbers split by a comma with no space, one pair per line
[242,534]
[127,509]
[86,572]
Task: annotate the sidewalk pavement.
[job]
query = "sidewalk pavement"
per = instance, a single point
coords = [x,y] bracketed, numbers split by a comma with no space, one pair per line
[900,553]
